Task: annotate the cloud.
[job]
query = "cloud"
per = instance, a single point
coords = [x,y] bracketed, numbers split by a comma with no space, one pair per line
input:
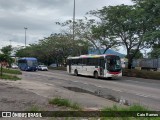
[39,16]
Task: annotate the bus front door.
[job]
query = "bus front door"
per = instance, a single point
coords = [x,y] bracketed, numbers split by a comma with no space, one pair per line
[102,66]
[69,66]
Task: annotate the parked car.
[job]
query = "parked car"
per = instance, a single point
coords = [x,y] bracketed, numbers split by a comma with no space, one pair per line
[42,67]
[14,66]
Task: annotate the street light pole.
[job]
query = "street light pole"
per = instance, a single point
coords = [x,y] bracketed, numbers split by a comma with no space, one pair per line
[25,35]
[73,19]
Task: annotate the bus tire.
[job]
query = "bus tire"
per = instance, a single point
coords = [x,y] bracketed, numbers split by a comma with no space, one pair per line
[96,75]
[75,72]
[110,78]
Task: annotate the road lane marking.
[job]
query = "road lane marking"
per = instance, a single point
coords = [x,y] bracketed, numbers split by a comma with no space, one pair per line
[143,95]
[99,86]
[116,90]
[75,81]
[85,83]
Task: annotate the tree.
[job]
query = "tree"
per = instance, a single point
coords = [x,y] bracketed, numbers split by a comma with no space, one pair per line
[7,50]
[125,23]
[53,49]
[91,32]
[138,55]
[150,10]
[155,52]
[5,56]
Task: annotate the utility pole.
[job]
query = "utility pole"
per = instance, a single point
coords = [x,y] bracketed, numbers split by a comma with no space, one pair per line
[74,20]
[25,35]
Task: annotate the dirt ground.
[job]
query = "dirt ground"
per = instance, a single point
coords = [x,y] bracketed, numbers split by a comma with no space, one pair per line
[16,99]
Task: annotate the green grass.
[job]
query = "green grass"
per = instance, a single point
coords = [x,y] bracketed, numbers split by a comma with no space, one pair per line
[134,108]
[141,74]
[9,77]
[11,71]
[34,108]
[131,108]
[9,74]
[64,102]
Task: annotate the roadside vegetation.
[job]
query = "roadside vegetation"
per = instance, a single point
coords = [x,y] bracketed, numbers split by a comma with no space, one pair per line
[65,103]
[34,108]
[108,113]
[141,74]
[11,71]
[9,77]
[127,112]
[9,74]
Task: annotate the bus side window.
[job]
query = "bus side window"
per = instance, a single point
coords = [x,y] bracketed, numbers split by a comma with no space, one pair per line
[84,61]
[79,61]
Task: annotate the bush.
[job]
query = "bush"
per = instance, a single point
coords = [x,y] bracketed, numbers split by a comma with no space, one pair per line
[9,77]
[141,74]
[10,71]
[64,102]
[126,113]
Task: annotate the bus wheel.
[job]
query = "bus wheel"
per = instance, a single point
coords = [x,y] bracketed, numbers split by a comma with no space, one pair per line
[96,75]
[76,73]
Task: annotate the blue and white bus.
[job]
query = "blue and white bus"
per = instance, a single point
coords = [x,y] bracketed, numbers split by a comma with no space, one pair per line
[107,66]
[28,64]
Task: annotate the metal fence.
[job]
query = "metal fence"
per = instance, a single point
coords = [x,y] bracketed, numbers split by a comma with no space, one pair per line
[146,63]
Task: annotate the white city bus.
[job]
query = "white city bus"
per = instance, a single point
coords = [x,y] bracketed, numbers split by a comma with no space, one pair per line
[106,65]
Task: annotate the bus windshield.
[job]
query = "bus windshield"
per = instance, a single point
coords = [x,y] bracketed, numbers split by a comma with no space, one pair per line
[32,63]
[113,63]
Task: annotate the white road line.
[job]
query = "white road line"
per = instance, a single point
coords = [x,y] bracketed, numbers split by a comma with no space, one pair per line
[99,86]
[85,83]
[143,95]
[75,81]
[116,90]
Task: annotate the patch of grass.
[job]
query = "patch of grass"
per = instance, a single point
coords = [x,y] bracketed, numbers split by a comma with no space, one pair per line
[125,111]
[64,102]
[131,108]
[9,77]
[11,71]
[141,74]
[34,108]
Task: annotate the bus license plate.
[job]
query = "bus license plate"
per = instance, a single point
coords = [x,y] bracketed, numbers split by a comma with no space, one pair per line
[114,75]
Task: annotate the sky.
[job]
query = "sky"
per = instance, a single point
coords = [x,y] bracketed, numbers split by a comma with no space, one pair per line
[39,17]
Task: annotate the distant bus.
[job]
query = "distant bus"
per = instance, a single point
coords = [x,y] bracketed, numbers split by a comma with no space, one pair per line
[106,66]
[28,64]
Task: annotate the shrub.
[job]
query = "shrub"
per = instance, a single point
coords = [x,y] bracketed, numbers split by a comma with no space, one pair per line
[141,74]
[10,71]
[9,77]
[64,102]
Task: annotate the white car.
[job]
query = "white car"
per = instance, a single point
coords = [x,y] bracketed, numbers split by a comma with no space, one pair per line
[14,66]
[42,67]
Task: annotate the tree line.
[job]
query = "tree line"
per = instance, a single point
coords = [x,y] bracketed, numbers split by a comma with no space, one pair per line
[133,27]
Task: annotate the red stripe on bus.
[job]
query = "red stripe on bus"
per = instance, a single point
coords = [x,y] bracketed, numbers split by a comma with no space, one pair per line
[114,72]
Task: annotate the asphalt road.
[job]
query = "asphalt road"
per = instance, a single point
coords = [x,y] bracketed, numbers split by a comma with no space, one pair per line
[126,90]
